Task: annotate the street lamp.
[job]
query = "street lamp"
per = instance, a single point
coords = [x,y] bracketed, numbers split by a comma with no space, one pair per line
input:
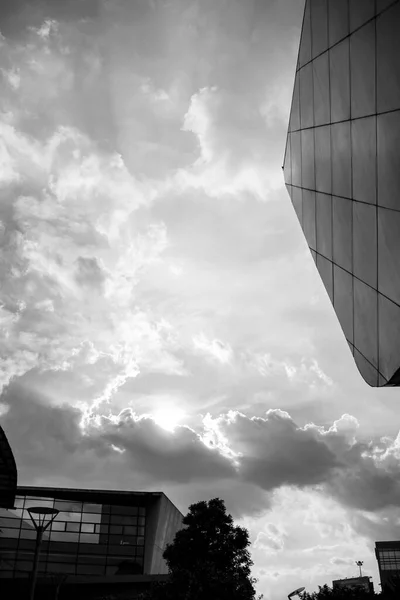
[296,592]
[359,564]
[42,517]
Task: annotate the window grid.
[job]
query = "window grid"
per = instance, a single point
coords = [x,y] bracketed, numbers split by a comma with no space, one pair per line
[294,156]
[78,544]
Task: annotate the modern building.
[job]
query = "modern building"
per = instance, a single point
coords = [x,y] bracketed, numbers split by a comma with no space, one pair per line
[354,583]
[342,170]
[100,540]
[8,473]
[388,557]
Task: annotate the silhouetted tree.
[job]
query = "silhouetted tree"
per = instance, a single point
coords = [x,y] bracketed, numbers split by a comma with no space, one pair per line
[208,559]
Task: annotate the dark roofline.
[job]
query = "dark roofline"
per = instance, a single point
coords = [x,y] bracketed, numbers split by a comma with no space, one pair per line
[87,494]
[88,490]
[390,544]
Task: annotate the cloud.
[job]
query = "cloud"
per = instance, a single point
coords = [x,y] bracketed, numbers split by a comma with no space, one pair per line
[72,250]
[227,164]
[271,540]
[265,453]
[216,349]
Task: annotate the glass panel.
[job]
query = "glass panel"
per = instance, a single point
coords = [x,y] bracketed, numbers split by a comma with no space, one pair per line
[319,26]
[28,534]
[325,270]
[61,568]
[342,232]
[388,160]
[10,521]
[89,538]
[130,530]
[307,159]
[309,224]
[343,300]
[324,224]
[341,159]
[389,337]
[323,172]
[340,81]
[322,109]
[128,519]
[67,506]
[362,69]
[365,243]
[58,525]
[30,502]
[365,321]
[141,531]
[287,165]
[389,253]
[360,12]
[87,527]
[388,64]
[64,536]
[296,158]
[295,109]
[367,371]
[23,565]
[92,508]
[382,4]
[305,44]
[338,20]
[142,511]
[140,541]
[72,526]
[116,529]
[306,97]
[9,532]
[297,203]
[91,518]
[364,159]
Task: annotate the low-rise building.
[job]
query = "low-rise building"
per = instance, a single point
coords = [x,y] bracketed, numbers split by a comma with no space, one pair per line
[100,540]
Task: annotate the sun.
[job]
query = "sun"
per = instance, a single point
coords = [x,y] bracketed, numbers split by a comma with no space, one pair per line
[168,417]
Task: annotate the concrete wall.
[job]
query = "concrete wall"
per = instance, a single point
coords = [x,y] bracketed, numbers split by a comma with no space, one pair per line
[163,521]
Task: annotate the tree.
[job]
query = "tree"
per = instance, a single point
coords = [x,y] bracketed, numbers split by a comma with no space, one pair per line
[208,558]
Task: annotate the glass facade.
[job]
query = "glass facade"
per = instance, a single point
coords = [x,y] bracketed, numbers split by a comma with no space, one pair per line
[341,170]
[388,557]
[85,539]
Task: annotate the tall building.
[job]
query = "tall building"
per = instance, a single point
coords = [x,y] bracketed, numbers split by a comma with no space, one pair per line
[99,540]
[8,473]
[388,557]
[342,170]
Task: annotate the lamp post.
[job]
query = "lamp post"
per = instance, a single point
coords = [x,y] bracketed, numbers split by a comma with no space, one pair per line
[296,592]
[41,517]
[359,564]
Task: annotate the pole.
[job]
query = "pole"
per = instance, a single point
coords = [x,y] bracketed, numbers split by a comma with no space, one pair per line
[39,535]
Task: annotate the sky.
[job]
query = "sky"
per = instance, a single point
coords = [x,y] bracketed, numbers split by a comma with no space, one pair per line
[163,325]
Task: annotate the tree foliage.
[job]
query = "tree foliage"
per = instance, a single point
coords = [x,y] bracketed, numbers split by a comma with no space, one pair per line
[208,558]
[327,593]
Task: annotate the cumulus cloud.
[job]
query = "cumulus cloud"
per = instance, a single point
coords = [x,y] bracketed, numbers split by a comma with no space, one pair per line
[215,349]
[228,163]
[265,453]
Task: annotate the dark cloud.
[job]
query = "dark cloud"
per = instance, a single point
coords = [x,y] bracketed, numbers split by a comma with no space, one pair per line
[150,448]
[270,452]
[17,15]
